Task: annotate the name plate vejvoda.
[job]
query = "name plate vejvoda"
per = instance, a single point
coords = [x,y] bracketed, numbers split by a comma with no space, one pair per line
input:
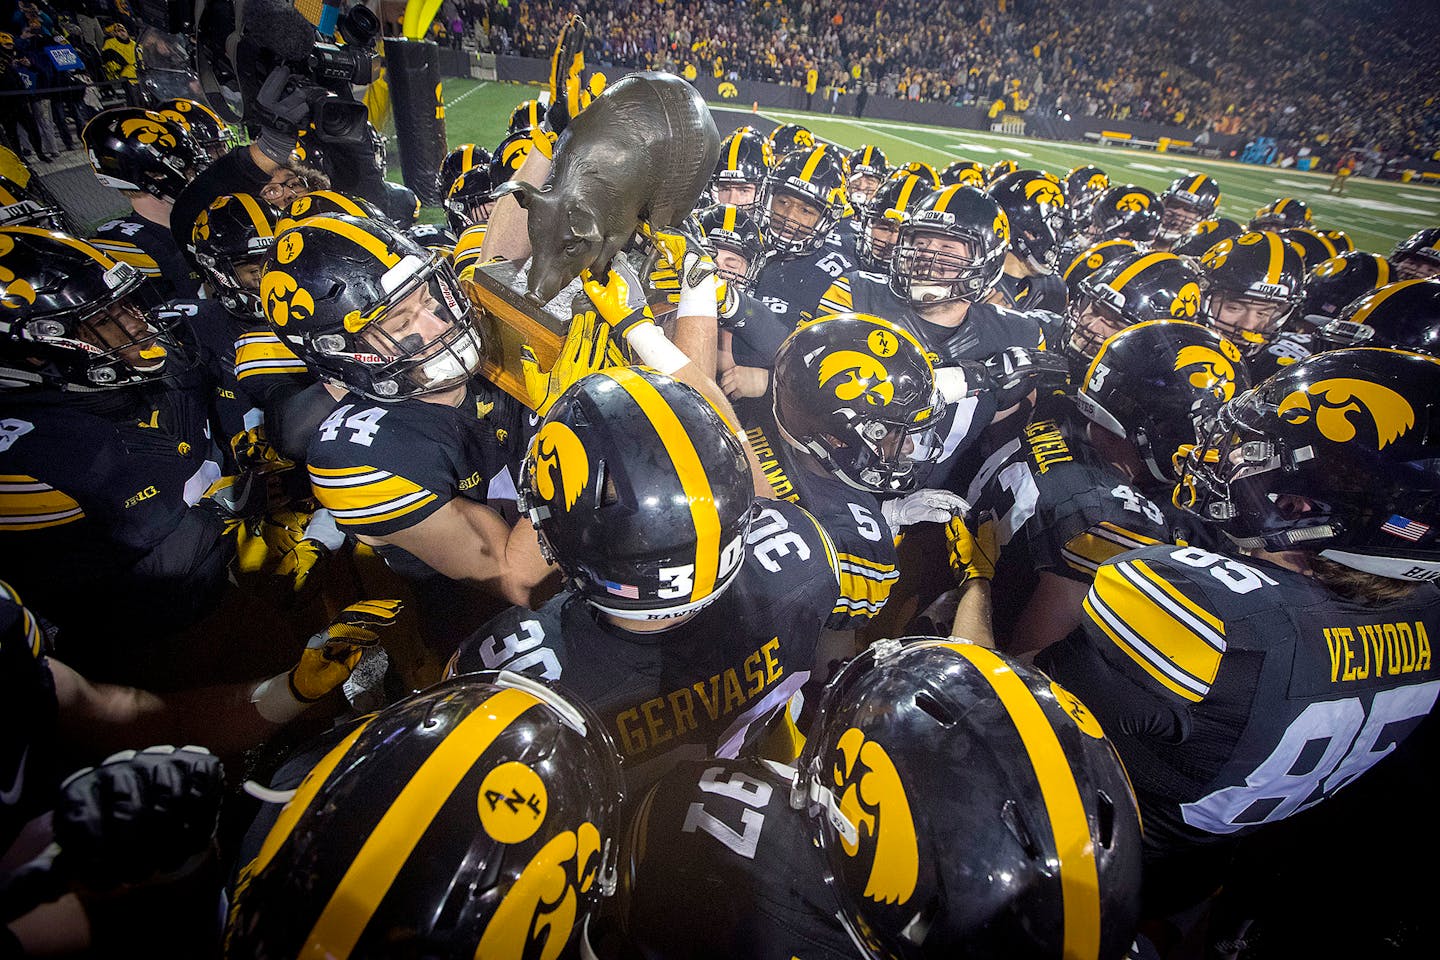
[510,322]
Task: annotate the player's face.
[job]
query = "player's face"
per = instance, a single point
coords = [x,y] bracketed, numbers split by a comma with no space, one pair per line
[1178,218]
[940,257]
[863,186]
[883,234]
[413,324]
[284,188]
[792,217]
[1237,317]
[123,329]
[1094,325]
[735,194]
[731,264]
[247,274]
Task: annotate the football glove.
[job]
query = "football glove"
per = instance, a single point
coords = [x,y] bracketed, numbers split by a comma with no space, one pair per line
[923,506]
[587,349]
[620,300]
[331,655]
[972,551]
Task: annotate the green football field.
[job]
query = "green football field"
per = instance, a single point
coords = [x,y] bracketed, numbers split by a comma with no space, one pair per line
[1375,214]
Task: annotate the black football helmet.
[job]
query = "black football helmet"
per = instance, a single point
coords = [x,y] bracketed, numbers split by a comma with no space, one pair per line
[740,172]
[918,168]
[641,494]
[1333,284]
[230,241]
[1037,853]
[858,394]
[1281,213]
[1083,186]
[1334,454]
[470,819]
[966,173]
[135,149]
[204,125]
[20,208]
[1339,239]
[1125,212]
[462,159]
[999,168]
[789,137]
[882,217]
[1254,284]
[1034,203]
[1205,235]
[1187,201]
[1312,245]
[327,203]
[1404,315]
[76,319]
[527,115]
[813,176]
[470,199]
[432,236]
[1151,383]
[1090,259]
[1127,290]
[728,228]
[334,290]
[510,155]
[1418,255]
[923,273]
[868,170]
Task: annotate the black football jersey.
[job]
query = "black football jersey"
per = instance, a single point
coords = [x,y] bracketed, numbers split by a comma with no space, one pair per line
[788,291]
[211,327]
[1059,508]
[1042,292]
[864,543]
[1239,692]
[92,487]
[384,467]
[151,249]
[721,867]
[29,760]
[265,366]
[697,688]
[1290,346]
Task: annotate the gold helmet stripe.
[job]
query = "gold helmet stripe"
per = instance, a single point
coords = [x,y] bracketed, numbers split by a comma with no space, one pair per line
[7,198]
[1195,184]
[728,223]
[258,220]
[942,200]
[1277,257]
[689,468]
[1139,266]
[1079,875]
[391,843]
[1382,270]
[295,809]
[1378,297]
[361,238]
[816,155]
[86,248]
[733,160]
[344,203]
[902,202]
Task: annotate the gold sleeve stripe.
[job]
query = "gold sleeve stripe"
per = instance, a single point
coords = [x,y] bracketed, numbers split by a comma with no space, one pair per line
[304,796]
[391,843]
[1163,637]
[372,496]
[30,504]
[265,353]
[1216,630]
[864,585]
[837,298]
[1086,551]
[1079,875]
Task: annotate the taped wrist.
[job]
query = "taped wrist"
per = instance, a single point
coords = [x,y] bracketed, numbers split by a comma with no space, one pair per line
[699,300]
[655,349]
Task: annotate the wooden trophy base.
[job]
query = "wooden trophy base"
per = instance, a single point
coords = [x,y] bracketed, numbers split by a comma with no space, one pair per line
[510,321]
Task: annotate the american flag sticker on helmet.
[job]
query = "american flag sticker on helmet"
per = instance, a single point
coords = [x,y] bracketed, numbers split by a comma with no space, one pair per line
[1405,528]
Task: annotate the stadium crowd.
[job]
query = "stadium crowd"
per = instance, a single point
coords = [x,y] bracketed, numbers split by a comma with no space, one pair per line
[1337,76]
[854,559]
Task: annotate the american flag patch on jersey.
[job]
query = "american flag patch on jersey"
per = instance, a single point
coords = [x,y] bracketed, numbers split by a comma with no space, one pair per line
[1404,528]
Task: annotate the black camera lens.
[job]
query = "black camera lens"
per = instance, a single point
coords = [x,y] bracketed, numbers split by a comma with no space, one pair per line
[359,26]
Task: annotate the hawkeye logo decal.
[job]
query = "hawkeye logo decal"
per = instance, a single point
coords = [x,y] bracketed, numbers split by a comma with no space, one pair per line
[284,300]
[14,292]
[147,130]
[873,799]
[1002,227]
[1211,370]
[1337,399]
[1042,190]
[1097,181]
[859,375]
[1187,302]
[1215,257]
[727,91]
[1133,202]
[558,450]
[535,919]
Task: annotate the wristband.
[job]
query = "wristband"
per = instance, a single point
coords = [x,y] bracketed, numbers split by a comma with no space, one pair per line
[655,349]
[275,702]
[699,300]
[952,384]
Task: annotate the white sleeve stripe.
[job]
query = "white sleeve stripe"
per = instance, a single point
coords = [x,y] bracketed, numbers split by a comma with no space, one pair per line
[1144,650]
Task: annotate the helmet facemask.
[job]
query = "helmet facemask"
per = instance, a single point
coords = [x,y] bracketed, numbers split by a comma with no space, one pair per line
[794,222]
[1089,321]
[932,266]
[1249,321]
[875,250]
[1181,213]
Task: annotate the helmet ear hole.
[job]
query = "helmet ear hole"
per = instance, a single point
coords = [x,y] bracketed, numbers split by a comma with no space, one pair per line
[1010,816]
[934,709]
[609,496]
[1105,810]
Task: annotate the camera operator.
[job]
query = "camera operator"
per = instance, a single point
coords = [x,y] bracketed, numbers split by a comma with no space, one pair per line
[293,81]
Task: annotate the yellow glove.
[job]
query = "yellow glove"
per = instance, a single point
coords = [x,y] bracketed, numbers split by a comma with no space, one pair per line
[687,260]
[621,299]
[253,451]
[587,348]
[331,655]
[570,93]
[972,552]
[544,141]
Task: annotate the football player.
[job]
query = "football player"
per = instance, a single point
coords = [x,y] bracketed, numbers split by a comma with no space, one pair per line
[740,172]
[416,449]
[150,160]
[479,818]
[1129,289]
[692,609]
[1281,213]
[1037,855]
[20,207]
[1404,316]
[1334,284]
[1245,685]
[470,198]
[1418,255]
[1187,201]
[878,221]
[855,412]
[1205,235]
[203,124]
[1083,186]
[1089,478]
[966,173]
[788,138]
[868,170]
[1254,285]
[1034,203]
[462,159]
